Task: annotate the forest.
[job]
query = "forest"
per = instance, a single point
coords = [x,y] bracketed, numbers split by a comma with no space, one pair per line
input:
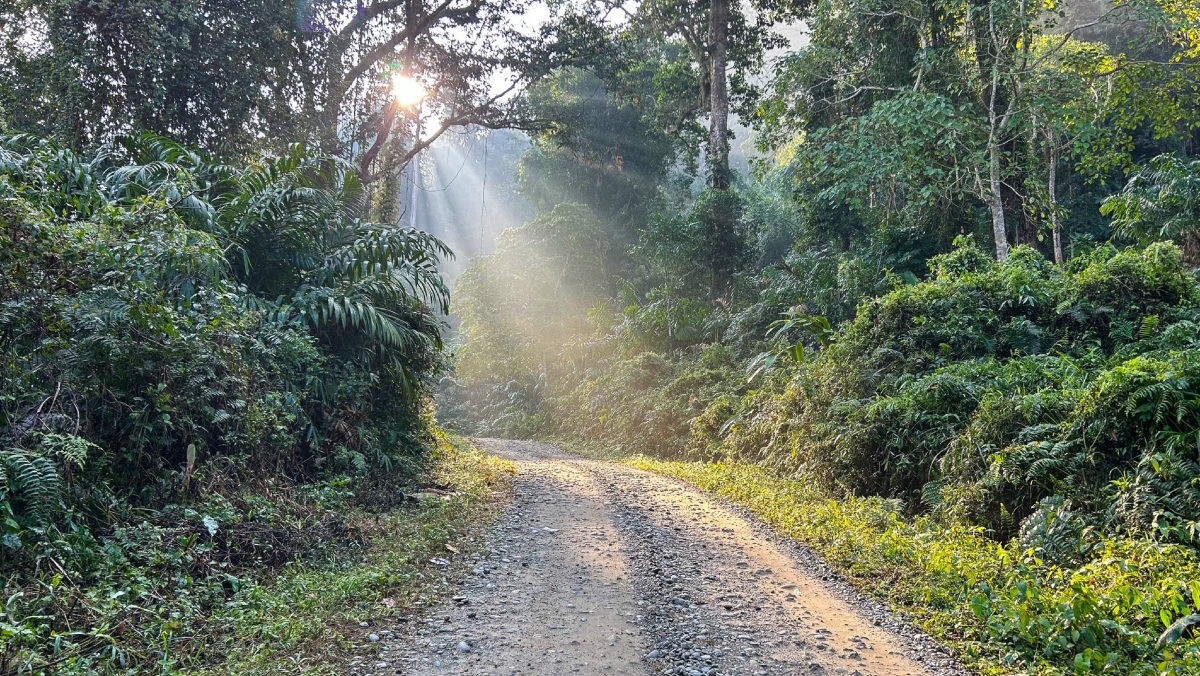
[915,281]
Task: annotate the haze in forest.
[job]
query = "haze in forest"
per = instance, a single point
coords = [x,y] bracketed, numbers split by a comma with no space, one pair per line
[914,282]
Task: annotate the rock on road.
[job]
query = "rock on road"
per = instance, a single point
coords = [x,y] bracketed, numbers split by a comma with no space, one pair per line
[597,568]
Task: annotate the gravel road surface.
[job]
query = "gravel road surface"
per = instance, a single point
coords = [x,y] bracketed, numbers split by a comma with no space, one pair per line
[597,568]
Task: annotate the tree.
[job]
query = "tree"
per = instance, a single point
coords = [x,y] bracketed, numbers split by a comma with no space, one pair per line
[665,60]
[675,64]
[235,77]
[466,53]
[216,73]
[905,106]
[1068,93]
[999,114]
[718,134]
[600,152]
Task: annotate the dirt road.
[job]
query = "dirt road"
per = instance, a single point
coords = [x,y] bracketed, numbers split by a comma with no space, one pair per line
[597,568]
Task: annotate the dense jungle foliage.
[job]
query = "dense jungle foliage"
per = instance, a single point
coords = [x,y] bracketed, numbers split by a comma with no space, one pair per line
[175,329]
[920,273]
[955,295]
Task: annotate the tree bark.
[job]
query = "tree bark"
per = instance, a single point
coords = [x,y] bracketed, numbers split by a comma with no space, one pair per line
[995,198]
[996,202]
[1053,187]
[718,130]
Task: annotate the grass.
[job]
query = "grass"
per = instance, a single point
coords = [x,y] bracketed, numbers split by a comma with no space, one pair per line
[1002,610]
[272,580]
[308,619]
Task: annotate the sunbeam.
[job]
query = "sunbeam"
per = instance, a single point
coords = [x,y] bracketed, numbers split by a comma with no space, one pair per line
[468,193]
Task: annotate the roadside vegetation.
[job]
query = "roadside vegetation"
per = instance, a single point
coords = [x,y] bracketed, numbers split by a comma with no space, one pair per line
[944,329]
[922,278]
[270,579]
[212,390]
[1001,606]
[407,544]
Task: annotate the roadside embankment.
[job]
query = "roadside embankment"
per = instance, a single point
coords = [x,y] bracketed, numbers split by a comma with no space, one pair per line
[1001,609]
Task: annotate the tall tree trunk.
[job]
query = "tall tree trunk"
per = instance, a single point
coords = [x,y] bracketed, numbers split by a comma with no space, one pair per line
[1053,187]
[995,198]
[995,202]
[718,130]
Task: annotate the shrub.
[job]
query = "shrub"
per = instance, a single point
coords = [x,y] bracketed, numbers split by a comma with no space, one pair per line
[171,327]
[991,387]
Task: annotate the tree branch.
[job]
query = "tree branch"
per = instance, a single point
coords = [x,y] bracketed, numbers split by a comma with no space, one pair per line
[477,115]
[385,130]
[385,49]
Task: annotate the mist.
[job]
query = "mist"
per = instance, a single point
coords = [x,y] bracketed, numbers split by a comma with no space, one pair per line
[467,193]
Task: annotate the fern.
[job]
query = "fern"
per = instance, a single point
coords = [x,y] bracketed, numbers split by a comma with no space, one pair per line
[1054,531]
[30,485]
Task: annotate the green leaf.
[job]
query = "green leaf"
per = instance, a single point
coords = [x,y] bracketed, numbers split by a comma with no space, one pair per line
[797,353]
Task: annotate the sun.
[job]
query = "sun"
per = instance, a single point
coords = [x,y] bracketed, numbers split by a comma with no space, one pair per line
[408,92]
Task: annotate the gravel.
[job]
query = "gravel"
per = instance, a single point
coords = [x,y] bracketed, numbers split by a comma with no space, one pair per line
[596,568]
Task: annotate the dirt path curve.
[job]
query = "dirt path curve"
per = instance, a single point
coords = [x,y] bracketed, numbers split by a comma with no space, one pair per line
[597,568]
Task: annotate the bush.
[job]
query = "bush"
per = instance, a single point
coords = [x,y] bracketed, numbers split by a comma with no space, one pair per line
[172,328]
[645,403]
[994,386]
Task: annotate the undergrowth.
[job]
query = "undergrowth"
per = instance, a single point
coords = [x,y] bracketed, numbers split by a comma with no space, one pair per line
[1011,445]
[273,580]
[1036,401]
[1000,607]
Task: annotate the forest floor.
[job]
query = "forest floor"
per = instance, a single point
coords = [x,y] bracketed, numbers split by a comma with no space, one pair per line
[599,568]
